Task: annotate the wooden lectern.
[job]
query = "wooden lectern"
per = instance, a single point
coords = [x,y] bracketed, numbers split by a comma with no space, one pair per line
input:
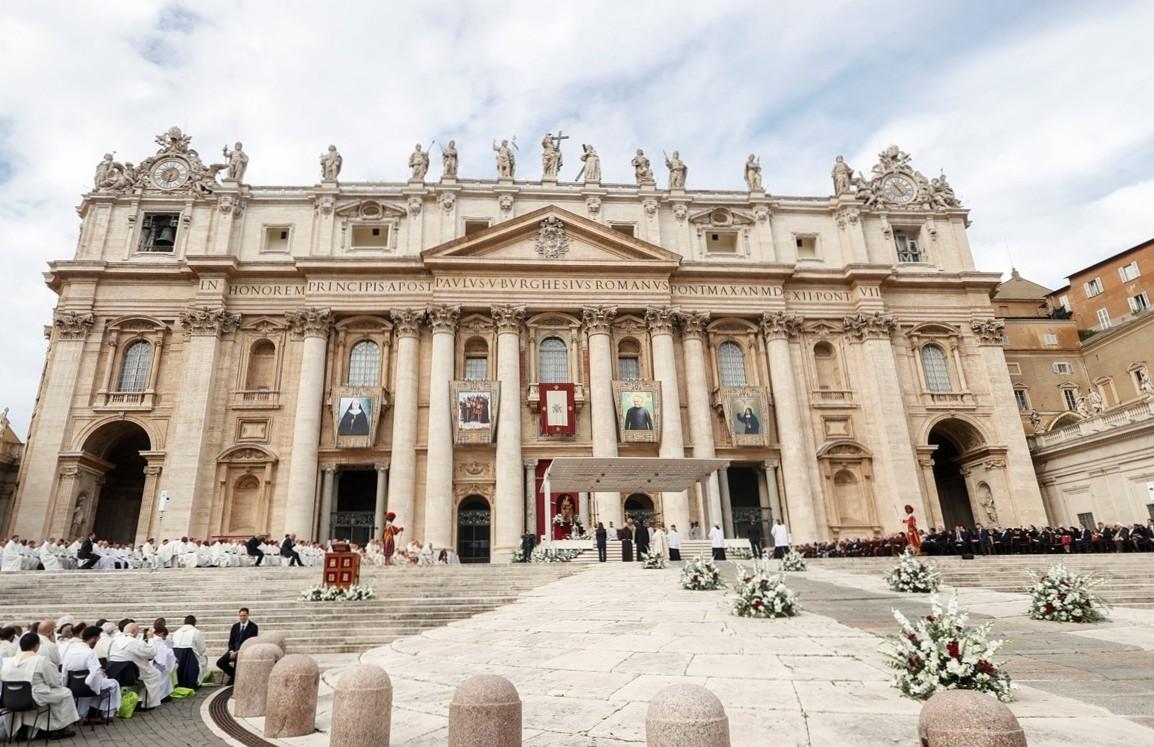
[342,568]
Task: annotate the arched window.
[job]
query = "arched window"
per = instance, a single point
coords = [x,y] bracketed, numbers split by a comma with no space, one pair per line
[825,360]
[936,369]
[261,366]
[552,361]
[135,366]
[364,363]
[629,360]
[731,363]
[476,359]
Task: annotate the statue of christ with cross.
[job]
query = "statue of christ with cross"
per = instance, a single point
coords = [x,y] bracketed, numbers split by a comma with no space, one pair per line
[551,155]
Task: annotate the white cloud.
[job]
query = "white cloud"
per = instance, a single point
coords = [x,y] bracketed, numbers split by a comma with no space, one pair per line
[1044,121]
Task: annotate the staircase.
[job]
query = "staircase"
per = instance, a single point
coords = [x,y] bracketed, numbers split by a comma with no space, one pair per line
[1129,576]
[409,600]
[689,550]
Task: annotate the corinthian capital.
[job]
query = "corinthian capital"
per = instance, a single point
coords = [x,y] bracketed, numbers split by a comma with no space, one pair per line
[989,331]
[693,323]
[869,326]
[310,321]
[407,322]
[780,325]
[444,318]
[597,319]
[72,325]
[204,321]
[661,319]
[508,318]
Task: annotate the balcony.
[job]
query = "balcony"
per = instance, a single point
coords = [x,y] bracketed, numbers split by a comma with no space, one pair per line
[255,399]
[831,398]
[125,401]
[1111,420]
[948,400]
[533,396]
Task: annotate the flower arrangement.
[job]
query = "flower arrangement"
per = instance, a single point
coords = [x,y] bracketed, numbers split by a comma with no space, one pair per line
[940,651]
[518,556]
[354,593]
[700,574]
[547,552]
[761,594]
[1062,596]
[652,560]
[913,575]
[792,561]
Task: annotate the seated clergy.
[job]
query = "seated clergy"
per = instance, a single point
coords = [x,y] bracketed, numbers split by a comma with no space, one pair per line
[28,666]
[129,646]
[191,654]
[82,658]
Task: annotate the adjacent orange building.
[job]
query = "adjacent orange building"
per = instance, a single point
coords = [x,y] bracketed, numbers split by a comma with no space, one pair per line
[1111,291]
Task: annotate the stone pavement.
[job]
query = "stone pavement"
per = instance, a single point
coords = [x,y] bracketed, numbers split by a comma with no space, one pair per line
[175,724]
[588,652]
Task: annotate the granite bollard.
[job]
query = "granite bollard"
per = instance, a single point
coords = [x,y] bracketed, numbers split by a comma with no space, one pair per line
[362,708]
[686,716]
[253,666]
[964,718]
[485,712]
[292,697]
[276,639]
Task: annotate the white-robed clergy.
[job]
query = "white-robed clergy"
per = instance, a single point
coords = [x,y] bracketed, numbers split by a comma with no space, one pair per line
[657,543]
[49,558]
[13,559]
[717,542]
[47,690]
[165,661]
[129,646]
[191,654]
[81,657]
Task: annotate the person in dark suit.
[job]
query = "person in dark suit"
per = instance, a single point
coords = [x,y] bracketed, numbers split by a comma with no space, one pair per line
[641,537]
[625,534]
[252,547]
[86,554]
[755,538]
[241,631]
[602,540]
[287,551]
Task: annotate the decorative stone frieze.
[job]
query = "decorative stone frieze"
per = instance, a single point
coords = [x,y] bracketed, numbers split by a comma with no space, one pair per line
[310,322]
[777,325]
[989,331]
[593,205]
[869,326]
[598,319]
[72,325]
[444,318]
[407,322]
[693,323]
[203,321]
[661,319]
[552,241]
[508,318]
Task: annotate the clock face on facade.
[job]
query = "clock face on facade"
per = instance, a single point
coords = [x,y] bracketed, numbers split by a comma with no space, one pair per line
[899,189]
[170,173]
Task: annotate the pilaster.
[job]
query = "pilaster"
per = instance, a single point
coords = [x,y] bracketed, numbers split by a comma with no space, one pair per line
[510,513]
[661,321]
[312,326]
[439,459]
[603,416]
[403,447]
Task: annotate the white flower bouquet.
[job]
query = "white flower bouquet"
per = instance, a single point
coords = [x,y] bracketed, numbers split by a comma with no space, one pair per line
[700,574]
[652,560]
[792,561]
[761,594]
[547,552]
[913,575]
[354,593]
[940,651]
[1062,596]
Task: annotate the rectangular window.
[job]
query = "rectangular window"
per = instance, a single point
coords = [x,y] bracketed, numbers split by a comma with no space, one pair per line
[721,242]
[1104,318]
[1086,520]
[1063,368]
[807,247]
[1070,398]
[628,367]
[1093,287]
[1015,369]
[1129,272]
[1064,302]
[475,226]
[908,248]
[1050,338]
[1139,303]
[1023,399]
[476,368]
[276,238]
[625,228]
[1150,509]
[158,232]
[370,237]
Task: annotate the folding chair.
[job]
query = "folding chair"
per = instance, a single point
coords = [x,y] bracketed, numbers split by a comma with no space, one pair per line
[128,675]
[16,697]
[78,685]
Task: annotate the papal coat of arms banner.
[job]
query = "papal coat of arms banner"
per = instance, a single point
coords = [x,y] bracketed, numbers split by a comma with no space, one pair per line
[558,409]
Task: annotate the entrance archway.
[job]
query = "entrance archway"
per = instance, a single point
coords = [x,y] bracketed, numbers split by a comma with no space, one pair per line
[745,502]
[118,502]
[356,503]
[474,521]
[953,438]
[639,508]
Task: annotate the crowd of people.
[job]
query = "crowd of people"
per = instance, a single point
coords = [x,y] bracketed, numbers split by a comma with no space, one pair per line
[79,672]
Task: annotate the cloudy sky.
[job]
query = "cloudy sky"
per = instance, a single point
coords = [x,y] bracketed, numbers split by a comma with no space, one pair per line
[1042,114]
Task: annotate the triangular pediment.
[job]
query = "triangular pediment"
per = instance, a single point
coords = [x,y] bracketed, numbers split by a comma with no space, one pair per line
[549,236]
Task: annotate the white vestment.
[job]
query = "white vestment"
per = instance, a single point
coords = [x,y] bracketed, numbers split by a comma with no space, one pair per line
[49,651]
[46,689]
[48,558]
[13,557]
[165,554]
[674,540]
[716,537]
[126,648]
[80,658]
[780,535]
[657,543]
[165,663]
[188,636]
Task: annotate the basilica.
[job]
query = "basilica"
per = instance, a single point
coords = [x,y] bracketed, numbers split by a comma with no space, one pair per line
[228,359]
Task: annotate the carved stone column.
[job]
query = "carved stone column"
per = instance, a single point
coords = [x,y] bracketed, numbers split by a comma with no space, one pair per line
[603,415]
[31,511]
[403,448]
[894,467]
[531,495]
[726,505]
[326,523]
[700,418]
[313,326]
[149,520]
[189,487]
[771,487]
[661,320]
[778,327]
[382,501]
[439,457]
[510,508]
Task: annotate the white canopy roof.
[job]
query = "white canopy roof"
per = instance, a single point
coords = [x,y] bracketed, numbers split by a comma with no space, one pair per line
[642,474]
